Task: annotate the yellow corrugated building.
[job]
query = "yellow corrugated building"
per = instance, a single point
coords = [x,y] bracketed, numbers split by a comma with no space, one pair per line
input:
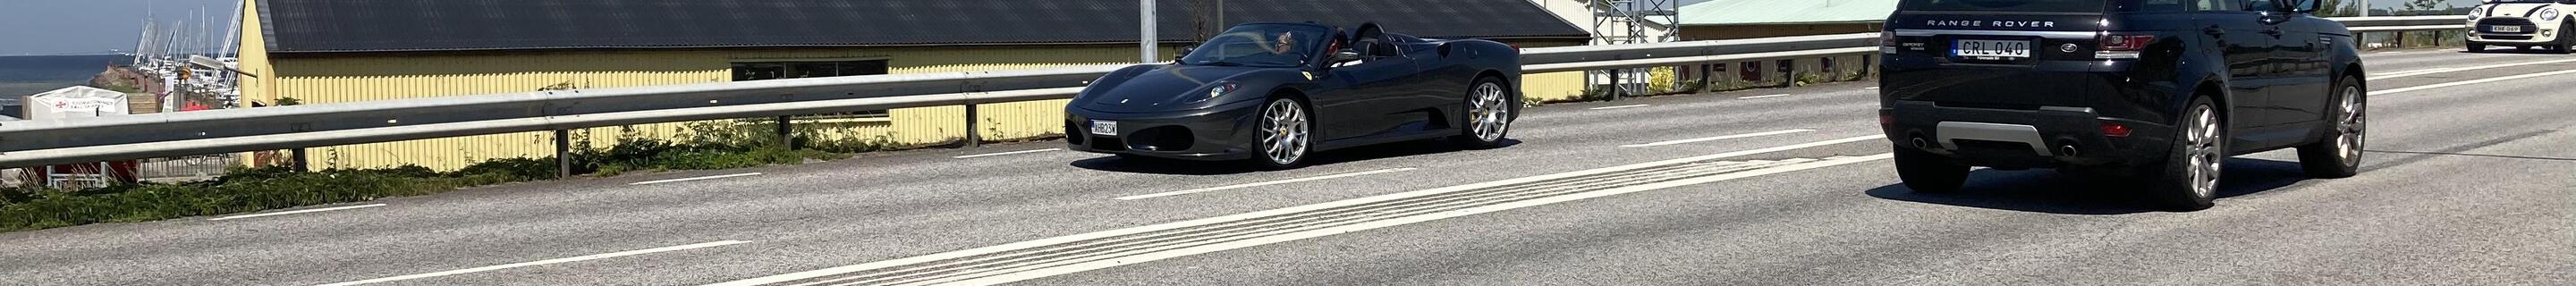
[322,51]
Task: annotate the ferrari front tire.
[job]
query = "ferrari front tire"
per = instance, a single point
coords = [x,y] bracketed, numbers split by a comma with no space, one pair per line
[1286,134]
[1489,108]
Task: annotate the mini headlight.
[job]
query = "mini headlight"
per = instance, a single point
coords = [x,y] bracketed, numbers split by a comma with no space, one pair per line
[2475,13]
[2549,14]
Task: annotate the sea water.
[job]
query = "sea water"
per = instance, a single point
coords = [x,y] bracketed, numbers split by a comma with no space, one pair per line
[21,76]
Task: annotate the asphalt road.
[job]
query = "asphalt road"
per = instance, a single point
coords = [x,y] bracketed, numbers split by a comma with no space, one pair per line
[2465,182]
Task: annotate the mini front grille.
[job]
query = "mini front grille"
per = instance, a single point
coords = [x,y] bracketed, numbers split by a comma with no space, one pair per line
[2504,37]
[2504,21]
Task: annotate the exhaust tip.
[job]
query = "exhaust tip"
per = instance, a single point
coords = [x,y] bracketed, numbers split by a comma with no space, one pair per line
[2067,150]
[1920,143]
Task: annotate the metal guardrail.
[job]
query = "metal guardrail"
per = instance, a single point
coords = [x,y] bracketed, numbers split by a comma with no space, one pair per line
[47,142]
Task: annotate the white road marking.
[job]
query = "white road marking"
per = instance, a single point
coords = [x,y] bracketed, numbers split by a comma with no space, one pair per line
[2461,69]
[1622,106]
[297,212]
[1307,179]
[1324,231]
[693,179]
[1763,96]
[1008,153]
[2392,52]
[1869,88]
[541,262]
[1706,139]
[2461,83]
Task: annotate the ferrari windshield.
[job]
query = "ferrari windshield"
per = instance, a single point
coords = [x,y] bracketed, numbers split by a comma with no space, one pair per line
[1260,45]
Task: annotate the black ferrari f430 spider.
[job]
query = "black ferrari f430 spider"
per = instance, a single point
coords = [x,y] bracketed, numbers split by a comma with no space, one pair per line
[1273,94]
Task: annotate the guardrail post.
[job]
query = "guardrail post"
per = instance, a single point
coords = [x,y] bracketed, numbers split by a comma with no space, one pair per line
[973,138]
[786,132]
[297,160]
[1617,90]
[563,153]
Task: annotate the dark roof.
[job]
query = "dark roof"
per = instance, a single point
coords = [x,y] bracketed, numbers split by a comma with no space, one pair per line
[317,26]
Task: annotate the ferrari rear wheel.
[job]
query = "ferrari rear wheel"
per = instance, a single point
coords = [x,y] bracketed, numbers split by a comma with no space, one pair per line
[1285,134]
[1489,114]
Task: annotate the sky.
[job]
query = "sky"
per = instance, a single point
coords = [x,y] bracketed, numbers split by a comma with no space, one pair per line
[47,27]
[50,27]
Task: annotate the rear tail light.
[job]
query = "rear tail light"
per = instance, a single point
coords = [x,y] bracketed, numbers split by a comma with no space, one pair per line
[2115,130]
[2122,46]
[1887,43]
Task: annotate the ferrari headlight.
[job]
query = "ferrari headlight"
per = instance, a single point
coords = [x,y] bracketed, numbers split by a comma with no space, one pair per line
[2550,14]
[1221,88]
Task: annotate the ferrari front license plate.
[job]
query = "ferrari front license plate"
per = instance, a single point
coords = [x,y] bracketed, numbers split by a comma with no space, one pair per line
[2505,29]
[1990,49]
[1104,127]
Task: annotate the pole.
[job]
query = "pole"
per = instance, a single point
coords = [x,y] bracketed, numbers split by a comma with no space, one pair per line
[298,160]
[563,153]
[975,138]
[786,132]
[1145,31]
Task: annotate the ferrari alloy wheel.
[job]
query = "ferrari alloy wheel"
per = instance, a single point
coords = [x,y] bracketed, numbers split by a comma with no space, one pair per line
[1489,114]
[1284,133]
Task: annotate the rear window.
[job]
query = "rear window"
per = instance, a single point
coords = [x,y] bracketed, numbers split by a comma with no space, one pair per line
[2076,6]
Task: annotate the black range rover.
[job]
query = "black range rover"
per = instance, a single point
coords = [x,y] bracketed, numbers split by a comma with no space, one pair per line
[2156,92]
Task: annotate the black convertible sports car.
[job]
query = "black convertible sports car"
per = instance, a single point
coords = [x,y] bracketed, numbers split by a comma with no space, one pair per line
[1274,93]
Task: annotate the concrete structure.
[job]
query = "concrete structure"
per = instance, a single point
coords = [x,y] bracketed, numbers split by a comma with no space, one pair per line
[321,51]
[1746,19]
[1580,13]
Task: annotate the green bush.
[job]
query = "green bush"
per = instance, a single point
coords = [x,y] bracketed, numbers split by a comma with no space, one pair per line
[231,194]
[711,145]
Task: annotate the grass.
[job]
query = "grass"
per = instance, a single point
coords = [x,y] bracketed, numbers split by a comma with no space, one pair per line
[713,145]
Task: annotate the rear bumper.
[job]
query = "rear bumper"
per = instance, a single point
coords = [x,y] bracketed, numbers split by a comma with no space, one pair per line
[2048,137]
[1221,133]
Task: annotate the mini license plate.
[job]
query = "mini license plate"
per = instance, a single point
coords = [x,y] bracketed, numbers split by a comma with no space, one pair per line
[2505,29]
[1990,49]
[1104,127]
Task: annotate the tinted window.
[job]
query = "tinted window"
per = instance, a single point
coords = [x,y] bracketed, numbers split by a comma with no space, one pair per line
[2083,6]
[2153,6]
[2214,5]
[2260,5]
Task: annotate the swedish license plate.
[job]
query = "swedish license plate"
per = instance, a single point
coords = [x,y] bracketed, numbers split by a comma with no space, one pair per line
[2505,29]
[1104,127]
[1990,49]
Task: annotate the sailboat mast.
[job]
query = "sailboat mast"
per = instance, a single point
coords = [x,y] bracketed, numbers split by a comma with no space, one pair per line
[143,43]
[232,31]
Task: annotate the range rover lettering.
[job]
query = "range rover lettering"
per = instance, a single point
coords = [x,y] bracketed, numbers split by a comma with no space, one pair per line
[2158,92]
